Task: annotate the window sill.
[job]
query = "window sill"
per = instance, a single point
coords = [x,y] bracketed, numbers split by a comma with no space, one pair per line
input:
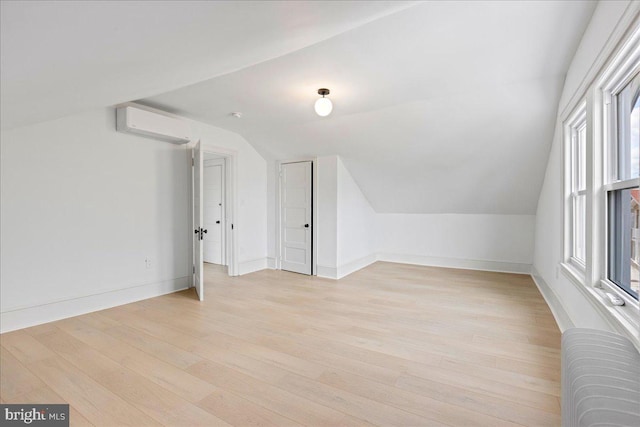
[627,315]
[623,319]
[573,273]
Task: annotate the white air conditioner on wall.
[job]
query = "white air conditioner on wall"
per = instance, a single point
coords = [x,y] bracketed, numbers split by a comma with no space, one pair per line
[151,124]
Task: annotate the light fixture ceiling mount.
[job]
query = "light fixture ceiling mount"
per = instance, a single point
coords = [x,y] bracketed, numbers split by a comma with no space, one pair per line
[323,106]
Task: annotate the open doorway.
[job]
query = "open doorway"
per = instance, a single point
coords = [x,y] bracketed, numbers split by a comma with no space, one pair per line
[213,206]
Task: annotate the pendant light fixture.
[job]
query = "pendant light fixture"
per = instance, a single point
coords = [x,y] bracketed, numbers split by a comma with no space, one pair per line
[323,105]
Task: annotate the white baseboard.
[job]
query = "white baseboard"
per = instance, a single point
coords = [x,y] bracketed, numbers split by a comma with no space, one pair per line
[247,267]
[37,315]
[557,309]
[327,272]
[271,263]
[353,266]
[467,264]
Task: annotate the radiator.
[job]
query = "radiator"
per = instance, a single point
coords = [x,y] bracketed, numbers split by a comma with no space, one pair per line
[600,379]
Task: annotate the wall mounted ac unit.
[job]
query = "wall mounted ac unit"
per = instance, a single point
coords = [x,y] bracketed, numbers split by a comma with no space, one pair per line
[153,125]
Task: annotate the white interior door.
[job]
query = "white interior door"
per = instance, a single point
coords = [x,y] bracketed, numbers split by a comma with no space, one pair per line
[296,208]
[199,231]
[214,218]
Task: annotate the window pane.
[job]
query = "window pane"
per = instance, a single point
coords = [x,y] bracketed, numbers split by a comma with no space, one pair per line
[629,130]
[635,239]
[624,239]
[579,251]
[635,139]
[582,158]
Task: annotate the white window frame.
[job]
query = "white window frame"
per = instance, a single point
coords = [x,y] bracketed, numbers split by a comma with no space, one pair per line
[601,167]
[572,127]
[618,77]
[624,65]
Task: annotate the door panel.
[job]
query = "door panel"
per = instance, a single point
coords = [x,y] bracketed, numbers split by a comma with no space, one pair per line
[198,273]
[296,208]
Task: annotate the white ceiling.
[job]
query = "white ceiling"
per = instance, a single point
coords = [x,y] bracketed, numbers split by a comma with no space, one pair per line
[439,107]
[63,57]
[444,107]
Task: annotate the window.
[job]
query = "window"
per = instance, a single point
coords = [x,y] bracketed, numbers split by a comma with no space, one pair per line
[601,147]
[623,193]
[576,185]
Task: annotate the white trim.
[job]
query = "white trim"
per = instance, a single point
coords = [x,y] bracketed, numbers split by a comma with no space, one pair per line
[597,209]
[620,319]
[578,118]
[353,266]
[278,216]
[557,309]
[621,66]
[213,162]
[597,86]
[608,286]
[50,312]
[271,263]
[602,58]
[467,264]
[577,264]
[571,126]
[621,185]
[252,266]
[576,275]
[627,317]
[314,222]
[327,272]
[336,273]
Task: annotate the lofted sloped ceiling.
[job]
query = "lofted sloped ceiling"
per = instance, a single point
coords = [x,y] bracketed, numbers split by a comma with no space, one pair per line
[439,106]
[62,57]
[443,107]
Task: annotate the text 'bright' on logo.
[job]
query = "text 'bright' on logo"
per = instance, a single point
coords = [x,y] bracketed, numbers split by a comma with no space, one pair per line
[34,414]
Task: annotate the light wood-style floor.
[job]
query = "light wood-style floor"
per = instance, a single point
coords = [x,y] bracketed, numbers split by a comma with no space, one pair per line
[389,345]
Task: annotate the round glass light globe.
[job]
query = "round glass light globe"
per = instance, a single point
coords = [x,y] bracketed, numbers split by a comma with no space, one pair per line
[323,107]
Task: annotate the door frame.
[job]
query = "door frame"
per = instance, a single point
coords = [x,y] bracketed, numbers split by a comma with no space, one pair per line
[314,211]
[231,201]
[197,281]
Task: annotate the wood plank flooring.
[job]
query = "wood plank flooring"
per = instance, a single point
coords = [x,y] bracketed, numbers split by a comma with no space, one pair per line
[390,345]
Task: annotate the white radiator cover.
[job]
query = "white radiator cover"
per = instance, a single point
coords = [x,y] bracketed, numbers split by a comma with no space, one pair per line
[130,119]
[600,379]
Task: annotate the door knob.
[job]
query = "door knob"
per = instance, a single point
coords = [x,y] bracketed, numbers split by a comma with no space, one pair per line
[306,226]
[217,222]
[201,231]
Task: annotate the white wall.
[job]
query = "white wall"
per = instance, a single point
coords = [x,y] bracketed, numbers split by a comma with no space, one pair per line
[561,294]
[82,206]
[352,235]
[327,221]
[485,242]
[356,225]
